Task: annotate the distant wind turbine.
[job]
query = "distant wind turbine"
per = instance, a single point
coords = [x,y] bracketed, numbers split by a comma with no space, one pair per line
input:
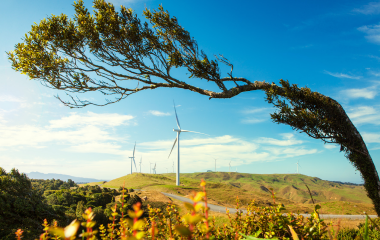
[154,169]
[150,167]
[173,166]
[298,166]
[179,130]
[230,167]
[215,163]
[133,158]
[140,163]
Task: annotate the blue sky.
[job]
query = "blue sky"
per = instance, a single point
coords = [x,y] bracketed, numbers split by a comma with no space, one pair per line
[330,47]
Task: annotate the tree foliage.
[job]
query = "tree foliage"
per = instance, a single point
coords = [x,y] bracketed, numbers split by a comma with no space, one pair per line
[114,53]
[21,206]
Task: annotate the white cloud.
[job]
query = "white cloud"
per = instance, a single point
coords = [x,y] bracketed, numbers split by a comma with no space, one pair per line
[33,136]
[373,33]
[359,93]
[330,146]
[255,110]
[158,113]
[342,75]
[370,8]
[364,115]
[198,153]
[93,119]
[289,136]
[10,98]
[252,120]
[98,147]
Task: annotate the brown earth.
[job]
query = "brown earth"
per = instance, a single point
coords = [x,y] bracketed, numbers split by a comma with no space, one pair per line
[152,196]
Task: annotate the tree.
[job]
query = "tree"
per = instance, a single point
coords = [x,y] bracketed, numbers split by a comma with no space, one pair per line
[21,206]
[70,54]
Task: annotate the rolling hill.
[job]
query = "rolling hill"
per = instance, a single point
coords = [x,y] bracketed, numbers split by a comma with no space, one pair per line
[289,189]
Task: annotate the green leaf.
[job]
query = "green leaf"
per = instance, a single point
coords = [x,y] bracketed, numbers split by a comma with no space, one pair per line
[182,230]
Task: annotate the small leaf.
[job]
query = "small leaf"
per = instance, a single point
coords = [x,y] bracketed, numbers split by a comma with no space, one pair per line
[189,206]
[182,230]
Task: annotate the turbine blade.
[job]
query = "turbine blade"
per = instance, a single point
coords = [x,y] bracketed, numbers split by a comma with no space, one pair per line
[194,132]
[134,150]
[176,117]
[135,163]
[175,141]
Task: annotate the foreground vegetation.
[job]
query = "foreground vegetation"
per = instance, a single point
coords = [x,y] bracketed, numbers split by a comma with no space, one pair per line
[28,213]
[260,222]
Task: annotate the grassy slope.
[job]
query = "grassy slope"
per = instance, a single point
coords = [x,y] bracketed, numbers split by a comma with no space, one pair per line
[222,188]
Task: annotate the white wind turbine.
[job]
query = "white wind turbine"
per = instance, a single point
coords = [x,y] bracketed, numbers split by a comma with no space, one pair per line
[140,163]
[154,169]
[133,158]
[179,130]
[230,167]
[150,167]
[215,163]
[298,166]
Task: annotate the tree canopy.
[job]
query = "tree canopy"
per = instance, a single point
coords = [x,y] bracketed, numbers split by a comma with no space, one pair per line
[113,53]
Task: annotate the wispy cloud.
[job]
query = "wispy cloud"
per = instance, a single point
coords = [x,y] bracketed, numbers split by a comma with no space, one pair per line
[263,112]
[158,113]
[302,47]
[289,140]
[364,115]
[252,120]
[255,110]
[359,93]
[342,75]
[10,98]
[87,133]
[373,33]
[93,119]
[375,57]
[370,8]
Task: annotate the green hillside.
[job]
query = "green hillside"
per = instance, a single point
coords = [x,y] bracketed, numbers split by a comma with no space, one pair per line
[289,189]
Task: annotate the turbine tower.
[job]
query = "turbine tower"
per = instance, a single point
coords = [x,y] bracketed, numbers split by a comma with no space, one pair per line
[215,163]
[179,130]
[140,163]
[230,166]
[154,169]
[133,158]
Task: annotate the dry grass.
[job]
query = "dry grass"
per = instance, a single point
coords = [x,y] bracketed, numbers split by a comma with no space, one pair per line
[223,188]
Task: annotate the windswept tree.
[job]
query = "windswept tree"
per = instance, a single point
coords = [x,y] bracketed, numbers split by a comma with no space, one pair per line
[114,53]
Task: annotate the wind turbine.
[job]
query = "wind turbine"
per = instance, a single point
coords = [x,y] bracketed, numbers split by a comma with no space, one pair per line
[215,163]
[140,163]
[154,169]
[150,167]
[173,166]
[133,158]
[297,167]
[179,130]
[230,166]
